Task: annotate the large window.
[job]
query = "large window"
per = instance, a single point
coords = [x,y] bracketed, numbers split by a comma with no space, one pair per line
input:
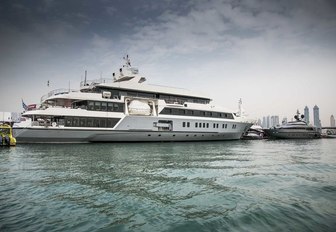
[196,113]
[110,106]
[91,122]
[105,106]
[116,94]
[90,105]
[97,106]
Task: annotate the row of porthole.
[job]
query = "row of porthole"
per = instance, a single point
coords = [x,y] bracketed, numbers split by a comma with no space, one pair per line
[215,125]
[159,135]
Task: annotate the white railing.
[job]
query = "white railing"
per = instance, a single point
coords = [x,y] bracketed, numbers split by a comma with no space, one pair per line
[89,83]
[57,92]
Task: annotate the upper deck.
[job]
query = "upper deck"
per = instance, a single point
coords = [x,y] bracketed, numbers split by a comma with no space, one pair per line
[130,83]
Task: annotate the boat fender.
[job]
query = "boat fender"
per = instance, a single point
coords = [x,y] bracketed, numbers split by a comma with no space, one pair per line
[54,124]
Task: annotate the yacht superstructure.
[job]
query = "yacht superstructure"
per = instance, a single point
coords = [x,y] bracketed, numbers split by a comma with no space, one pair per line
[125,109]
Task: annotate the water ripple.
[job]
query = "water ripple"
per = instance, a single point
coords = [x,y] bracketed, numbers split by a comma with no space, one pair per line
[210,186]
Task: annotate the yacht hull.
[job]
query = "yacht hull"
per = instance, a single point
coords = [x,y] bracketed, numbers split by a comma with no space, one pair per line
[289,134]
[53,135]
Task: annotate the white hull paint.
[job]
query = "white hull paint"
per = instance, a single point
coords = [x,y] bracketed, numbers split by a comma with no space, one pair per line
[34,135]
[134,129]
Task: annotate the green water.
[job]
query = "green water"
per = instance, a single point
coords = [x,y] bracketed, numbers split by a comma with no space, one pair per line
[203,186]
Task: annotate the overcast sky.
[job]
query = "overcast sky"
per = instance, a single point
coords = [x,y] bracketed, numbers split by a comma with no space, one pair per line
[278,56]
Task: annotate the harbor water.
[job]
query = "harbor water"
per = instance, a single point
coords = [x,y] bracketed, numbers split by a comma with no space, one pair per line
[266,185]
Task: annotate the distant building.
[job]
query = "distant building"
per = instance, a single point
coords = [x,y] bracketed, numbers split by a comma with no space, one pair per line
[332,121]
[15,116]
[9,117]
[274,120]
[306,114]
[268,123]
[264,124]
[5,117]
[317,121]
[259,122]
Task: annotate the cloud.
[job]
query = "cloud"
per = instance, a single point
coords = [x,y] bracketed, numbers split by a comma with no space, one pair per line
[222,25]
[224,48]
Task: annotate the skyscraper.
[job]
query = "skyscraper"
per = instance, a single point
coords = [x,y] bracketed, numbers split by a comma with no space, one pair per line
[332,121]
[274,120]
[264,125]
[306,114]
[317,121]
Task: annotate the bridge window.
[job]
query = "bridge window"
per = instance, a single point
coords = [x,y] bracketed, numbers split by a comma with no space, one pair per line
[97,106]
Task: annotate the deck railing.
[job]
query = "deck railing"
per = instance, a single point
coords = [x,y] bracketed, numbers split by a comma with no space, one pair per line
[57,92]
[84,84]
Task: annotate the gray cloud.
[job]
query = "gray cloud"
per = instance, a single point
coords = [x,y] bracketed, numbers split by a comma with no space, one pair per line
[225,48]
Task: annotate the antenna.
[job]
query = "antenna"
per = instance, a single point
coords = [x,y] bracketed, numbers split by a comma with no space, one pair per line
[239,107]
[128,61]
[85,78]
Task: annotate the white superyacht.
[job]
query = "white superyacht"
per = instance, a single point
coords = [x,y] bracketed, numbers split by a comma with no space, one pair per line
[125,109]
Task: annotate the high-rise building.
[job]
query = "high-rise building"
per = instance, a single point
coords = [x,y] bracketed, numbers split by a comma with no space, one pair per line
[306,114]
[274,120]
[332,121]
[317,121]
[268,124]
[264,122]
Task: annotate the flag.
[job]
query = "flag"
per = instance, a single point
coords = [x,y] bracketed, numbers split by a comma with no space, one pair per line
[31,106]
[25,107]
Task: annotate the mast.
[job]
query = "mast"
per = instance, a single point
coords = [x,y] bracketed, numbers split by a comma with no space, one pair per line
[85,78]
[239,107]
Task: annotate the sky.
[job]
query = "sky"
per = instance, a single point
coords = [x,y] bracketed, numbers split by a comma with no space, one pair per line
[277,56]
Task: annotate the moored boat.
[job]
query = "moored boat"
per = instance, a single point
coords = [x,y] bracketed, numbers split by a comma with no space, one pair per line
[125,109]
[329,134]
[254,133]
[297,129]
[6,136]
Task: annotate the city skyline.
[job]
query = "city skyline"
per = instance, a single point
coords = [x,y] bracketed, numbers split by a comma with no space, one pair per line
[270,121]
[278,56]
